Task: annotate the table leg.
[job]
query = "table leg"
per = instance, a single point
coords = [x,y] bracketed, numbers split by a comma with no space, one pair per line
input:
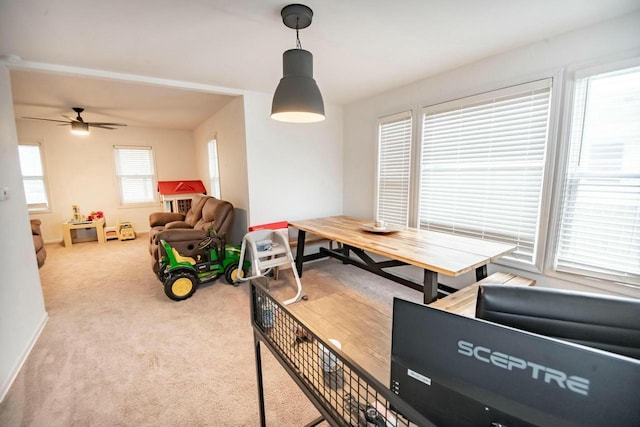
[430,286]
[481,273]
[302,235]
[100,232]
[66,234]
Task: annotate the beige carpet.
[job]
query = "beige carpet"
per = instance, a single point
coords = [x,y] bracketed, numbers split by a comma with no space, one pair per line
[117,352]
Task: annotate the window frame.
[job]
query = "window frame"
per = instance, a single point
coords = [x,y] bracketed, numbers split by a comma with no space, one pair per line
[393,118]
[214,181]
[558,83]
[560,114]
[154,182]
[573,73]
[45,180]
[524,86]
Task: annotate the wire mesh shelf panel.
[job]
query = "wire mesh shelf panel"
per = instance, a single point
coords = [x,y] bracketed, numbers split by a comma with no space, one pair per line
[347,393]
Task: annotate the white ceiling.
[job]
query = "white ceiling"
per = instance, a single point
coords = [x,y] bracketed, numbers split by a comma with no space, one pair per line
[47,95]
[360,47]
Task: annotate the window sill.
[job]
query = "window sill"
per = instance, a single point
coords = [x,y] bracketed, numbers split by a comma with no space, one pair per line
[39,211]
[608,286]
[139,205]
[531,268]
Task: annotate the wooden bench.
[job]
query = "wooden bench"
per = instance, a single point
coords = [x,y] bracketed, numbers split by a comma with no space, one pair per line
[310,239]
[463,302]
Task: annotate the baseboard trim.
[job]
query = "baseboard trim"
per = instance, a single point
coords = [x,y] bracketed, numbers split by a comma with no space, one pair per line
[4,389]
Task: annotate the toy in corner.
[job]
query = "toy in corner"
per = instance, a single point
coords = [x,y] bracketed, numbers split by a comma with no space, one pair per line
[95,215]
[77,216]
[126,231]
[181,275]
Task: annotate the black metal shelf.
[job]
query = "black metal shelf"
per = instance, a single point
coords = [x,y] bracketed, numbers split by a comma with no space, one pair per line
[343,392]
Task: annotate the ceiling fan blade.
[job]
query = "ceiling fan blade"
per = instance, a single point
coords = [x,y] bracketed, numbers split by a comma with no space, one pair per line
[105,124]
[101,127]
[49,120]
[70,118]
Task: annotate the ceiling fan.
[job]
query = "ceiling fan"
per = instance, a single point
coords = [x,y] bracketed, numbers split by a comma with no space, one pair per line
[78,125]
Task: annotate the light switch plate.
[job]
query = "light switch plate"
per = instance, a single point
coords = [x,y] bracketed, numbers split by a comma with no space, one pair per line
[4,193]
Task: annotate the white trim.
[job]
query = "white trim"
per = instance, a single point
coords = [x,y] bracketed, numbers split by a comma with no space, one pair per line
[488,95]
[213,191]
[395,117]
[609,286]
[414,177]
[4,389]
[133,147]
[603,68]
[382,121]
[154,184]
[39,142]
[138,205]
[112,75]
[574,72]
[554,128]
[562,155]
[543,166]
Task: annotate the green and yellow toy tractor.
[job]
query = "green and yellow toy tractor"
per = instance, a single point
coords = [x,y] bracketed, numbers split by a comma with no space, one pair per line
[181,275]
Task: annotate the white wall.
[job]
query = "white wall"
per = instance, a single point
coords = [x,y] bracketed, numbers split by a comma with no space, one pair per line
[611,40]
[22,311]
[81,170]
[295,170]
[227,125]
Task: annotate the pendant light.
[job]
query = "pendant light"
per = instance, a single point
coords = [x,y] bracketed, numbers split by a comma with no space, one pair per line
[297,98]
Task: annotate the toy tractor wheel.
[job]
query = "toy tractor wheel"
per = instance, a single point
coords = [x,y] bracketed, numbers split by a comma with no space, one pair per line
[180,286]
[232,273]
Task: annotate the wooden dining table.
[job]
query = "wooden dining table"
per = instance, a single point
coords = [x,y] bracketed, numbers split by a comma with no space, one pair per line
[434,252]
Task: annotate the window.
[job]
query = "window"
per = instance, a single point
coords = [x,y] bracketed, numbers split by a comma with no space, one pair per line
[482,166]
[599,232]
[394,167]
[135,173]
[214,170]
[33,177]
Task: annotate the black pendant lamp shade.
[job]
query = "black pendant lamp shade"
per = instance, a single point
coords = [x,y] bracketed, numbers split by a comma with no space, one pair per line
[297,98]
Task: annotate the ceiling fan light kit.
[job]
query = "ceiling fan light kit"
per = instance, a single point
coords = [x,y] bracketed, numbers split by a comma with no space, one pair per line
[297,98]
[78,125]
[79,128]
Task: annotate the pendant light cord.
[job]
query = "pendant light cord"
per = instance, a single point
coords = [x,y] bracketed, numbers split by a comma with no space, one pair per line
[298,44]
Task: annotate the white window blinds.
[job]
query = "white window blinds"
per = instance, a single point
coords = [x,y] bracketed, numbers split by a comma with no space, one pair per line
[394,168]
[214,170]
[33,178]
[482,166]
[136,178]
[600,223]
